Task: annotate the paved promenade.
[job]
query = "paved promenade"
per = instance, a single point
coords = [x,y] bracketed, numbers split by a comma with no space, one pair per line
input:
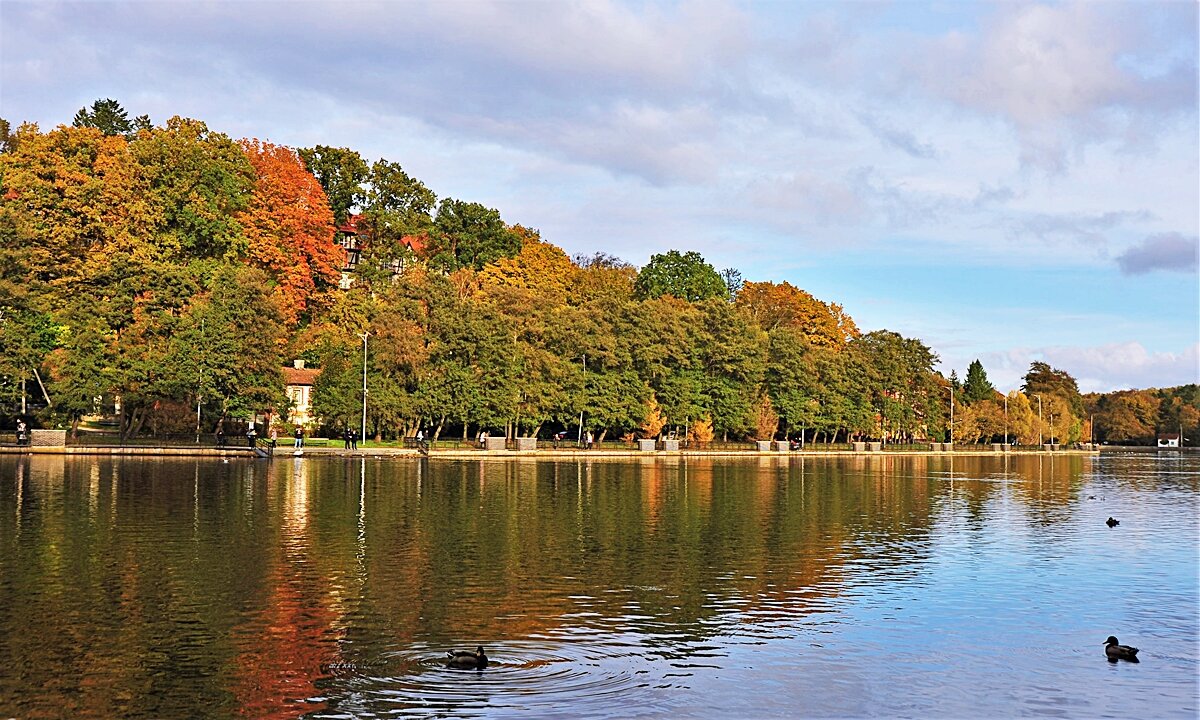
[475,454]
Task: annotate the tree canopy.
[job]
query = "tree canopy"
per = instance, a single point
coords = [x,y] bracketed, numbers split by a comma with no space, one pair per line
[175,268]
[683,275]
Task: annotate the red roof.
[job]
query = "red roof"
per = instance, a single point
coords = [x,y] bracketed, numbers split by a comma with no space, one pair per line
[350,227]
[416,243]
[297,376]
[353,226]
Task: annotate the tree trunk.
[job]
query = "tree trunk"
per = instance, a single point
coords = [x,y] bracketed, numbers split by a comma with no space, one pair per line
[438,431]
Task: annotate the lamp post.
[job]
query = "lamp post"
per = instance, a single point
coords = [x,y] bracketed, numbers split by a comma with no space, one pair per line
[1039,397]
[951,389]
[363,434]
[579,438]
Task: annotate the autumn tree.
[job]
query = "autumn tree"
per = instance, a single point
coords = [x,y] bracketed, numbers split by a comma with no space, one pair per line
[289,230]
[653,422]
[1128,417]
[784,305]
[766,420]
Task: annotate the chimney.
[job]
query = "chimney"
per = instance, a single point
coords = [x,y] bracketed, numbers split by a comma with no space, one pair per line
[298,364]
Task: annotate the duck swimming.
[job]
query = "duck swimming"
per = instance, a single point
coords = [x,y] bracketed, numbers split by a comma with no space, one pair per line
[463,660]
[1112,522]
[1117,652]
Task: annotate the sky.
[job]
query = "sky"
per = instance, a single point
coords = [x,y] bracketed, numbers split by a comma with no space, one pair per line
[1007,182]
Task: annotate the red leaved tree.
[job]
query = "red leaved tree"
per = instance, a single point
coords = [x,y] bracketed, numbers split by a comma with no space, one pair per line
[289,228]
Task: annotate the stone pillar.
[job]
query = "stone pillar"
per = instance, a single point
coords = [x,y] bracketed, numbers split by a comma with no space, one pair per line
[860,447]
[762,445]
[783,445]
[48,438]
[646,445]
[493,443]
[875,446]
[526,443]
[670,445]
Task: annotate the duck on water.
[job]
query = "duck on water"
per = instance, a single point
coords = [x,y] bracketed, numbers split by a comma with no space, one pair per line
[464,660]
[1116,652]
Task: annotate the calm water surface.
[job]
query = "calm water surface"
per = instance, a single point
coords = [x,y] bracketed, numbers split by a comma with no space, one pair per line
[781,587]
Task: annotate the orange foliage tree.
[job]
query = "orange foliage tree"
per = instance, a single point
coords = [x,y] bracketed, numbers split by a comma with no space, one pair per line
[289,228]
[784,305]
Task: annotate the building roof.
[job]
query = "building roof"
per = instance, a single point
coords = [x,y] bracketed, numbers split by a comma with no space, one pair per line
[300,376]
[354,226]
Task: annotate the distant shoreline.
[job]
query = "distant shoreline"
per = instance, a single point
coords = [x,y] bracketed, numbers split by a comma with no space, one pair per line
[462,454]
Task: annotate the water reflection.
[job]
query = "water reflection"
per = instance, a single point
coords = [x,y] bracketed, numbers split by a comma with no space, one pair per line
[697,587]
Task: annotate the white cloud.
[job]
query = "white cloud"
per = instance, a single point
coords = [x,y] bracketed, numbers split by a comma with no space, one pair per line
[1068,75]
[1100,368]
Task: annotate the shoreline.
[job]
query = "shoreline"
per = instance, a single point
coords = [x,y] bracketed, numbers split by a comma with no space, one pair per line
[539,454]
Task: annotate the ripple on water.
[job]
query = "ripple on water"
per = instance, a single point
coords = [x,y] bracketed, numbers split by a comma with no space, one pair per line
[520,678]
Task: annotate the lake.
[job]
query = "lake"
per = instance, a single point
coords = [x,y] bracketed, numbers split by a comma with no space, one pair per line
[892,586]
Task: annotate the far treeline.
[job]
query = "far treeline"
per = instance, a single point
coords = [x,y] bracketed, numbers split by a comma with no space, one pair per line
[167,274]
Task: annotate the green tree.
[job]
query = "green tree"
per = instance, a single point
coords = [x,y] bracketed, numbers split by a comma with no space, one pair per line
[685,276]
[196,181]
[341,173]
[977,388]
[901,383]
[226,351]
[791,379]
[469,235]
[110,118]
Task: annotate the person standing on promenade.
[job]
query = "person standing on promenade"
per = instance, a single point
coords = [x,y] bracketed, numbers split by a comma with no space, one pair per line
[346,436]
[353,439]
[252,437]
[299,436]
[274,437]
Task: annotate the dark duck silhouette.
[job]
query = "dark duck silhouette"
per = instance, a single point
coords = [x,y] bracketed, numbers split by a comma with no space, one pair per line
[1112,522]
[1116,652]
[463,660]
